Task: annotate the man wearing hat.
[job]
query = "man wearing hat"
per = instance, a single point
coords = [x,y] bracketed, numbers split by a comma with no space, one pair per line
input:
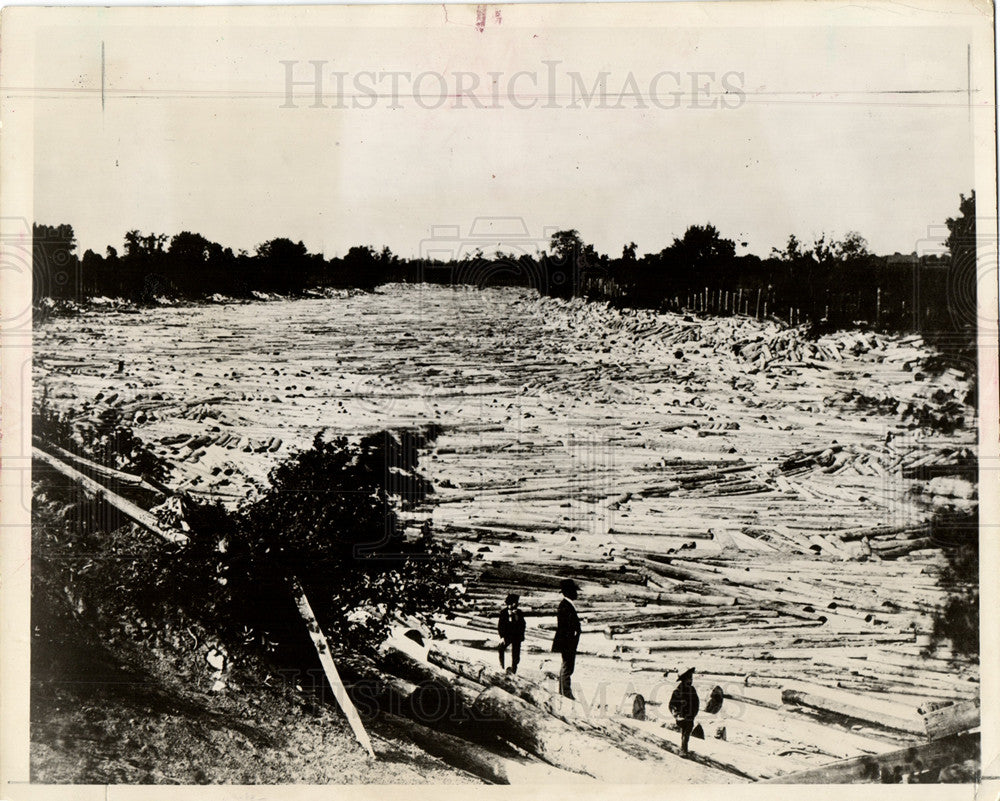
[567,635]
[511,630]
[684,706]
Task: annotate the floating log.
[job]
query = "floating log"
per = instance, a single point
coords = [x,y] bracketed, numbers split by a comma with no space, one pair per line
[876,718]
[718,755]
[894,551]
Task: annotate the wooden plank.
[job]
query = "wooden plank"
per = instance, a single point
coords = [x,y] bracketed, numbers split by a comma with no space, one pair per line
[329,668]
[93,488]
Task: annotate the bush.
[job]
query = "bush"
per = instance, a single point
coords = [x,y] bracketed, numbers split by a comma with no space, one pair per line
[329,519]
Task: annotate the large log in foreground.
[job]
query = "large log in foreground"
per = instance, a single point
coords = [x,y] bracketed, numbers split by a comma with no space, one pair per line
[478,760]
[572,749]
[891,767]
[951,718]
[556,705]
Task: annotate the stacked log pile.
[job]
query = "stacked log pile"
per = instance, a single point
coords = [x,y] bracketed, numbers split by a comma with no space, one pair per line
[714,485]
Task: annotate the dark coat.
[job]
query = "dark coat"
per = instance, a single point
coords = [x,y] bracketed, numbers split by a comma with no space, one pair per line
[567,629]
[684,704]
[511,625]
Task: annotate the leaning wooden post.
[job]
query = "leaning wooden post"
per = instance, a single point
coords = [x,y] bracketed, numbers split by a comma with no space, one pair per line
[326,660]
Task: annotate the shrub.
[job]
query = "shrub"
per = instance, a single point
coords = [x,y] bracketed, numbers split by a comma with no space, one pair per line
[329,519]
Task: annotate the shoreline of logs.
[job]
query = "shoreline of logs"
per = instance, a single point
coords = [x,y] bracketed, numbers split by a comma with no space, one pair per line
[506,728]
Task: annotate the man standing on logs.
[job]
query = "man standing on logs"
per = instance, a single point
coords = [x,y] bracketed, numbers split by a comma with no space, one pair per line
[511,629]
[684,706]
[567,635]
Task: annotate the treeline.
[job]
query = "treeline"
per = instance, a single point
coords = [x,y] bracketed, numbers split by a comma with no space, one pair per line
[829,283]
[188,265]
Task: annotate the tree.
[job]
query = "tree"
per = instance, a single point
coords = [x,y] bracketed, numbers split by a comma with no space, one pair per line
[281,265]
[957,621]
[55,266]
[825,250]
[566,245]
[55,237]
[792,250]
[190,249]
[139,246]
[701,245]
[961,241]
[282,250]
[852,246]
[364,267]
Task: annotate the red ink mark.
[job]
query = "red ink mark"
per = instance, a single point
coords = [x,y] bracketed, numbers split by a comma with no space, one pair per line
[480,18]
[498,17]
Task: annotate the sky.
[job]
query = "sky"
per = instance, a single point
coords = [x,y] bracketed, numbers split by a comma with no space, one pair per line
[826,120]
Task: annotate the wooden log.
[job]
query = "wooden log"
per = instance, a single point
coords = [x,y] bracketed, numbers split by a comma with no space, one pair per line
[771,723]
[881,531]
[890,767]
[571,749]
[480,761]
[951,719]
[894,551]
[94,489]
[440,695]
[730,757]
[556,705]
[81,463]
[841,709]
[329,668]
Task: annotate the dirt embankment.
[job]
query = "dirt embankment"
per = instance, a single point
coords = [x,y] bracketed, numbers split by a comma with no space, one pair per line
[119,699]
